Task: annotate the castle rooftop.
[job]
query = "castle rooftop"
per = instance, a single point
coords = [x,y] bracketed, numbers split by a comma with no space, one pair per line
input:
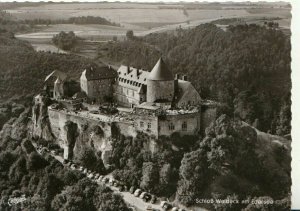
[161,72]
[96,72]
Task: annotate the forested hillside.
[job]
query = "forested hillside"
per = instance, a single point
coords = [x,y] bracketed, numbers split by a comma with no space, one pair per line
[233,161]
[247,67]
[43,181]
[23,70]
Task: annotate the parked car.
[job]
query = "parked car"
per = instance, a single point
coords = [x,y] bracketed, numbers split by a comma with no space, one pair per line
[105,180]
[142,195]
[91,176]
[174,209]
[153,199]
[165,205]
[73,166]
[111,181]
[94,112]
[116,183]
[147,197]
[121,188]
[97,176]
[132,189]
[65,161]
[137,192]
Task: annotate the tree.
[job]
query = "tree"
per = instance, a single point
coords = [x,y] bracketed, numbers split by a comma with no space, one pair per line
[65,41]
[35,161]
[150,176]
[129,35]
[194,175]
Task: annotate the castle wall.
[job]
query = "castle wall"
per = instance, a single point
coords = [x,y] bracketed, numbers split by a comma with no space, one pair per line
[86,136]
[160,90]
[147,124]
[127,96]
[96,89]
[185,124]
[99,89]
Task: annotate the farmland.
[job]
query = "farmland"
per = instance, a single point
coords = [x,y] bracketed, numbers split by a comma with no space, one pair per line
[143,19]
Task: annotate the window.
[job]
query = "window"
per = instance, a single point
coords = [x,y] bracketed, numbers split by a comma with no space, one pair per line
[149,125]
[184,126]
[171,126]
[142,124]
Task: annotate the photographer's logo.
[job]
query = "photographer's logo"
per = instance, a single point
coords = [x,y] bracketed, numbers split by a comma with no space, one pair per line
[16,200]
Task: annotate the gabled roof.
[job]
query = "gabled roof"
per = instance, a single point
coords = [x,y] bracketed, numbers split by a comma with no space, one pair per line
[183,87]
[161,72]
[132,78]
[96,72]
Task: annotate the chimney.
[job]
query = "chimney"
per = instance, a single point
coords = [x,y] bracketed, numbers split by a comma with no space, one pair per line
[135,72]
[176,76]
[128,69]
[184,78]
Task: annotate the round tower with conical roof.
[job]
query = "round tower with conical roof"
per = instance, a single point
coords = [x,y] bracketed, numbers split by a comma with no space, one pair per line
[160,83]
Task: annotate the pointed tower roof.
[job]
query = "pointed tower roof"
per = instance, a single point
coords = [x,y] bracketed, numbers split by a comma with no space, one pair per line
[160,72]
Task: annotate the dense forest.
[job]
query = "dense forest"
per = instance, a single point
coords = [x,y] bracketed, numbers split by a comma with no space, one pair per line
[23,70]
[42,180]
[82,20]
[247,67]
[231,161]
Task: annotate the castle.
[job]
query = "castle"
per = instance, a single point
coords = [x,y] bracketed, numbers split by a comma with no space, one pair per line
[158,103]
[134,101]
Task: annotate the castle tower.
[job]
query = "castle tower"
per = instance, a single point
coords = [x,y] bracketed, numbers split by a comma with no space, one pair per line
[160,83]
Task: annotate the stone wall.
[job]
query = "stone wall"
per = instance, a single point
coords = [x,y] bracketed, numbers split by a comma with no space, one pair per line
[97,89]
[126,96]
[175,123]
[87,136]
[147,124]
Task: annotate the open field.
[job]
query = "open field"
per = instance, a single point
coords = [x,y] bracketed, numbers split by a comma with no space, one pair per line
[143,19]
[142,13]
